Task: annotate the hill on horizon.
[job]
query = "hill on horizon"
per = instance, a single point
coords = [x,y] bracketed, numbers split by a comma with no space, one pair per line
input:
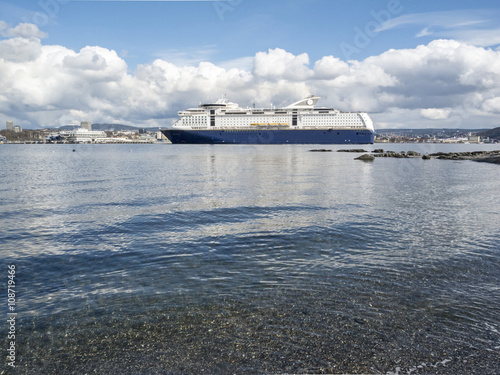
[492,133]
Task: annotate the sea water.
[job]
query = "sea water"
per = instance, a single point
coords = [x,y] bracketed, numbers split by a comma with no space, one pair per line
[248,259]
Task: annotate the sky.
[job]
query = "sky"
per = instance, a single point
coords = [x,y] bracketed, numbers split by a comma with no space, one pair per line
[408,63]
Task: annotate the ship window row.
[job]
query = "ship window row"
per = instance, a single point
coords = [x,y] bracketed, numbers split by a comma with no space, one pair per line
[195,119]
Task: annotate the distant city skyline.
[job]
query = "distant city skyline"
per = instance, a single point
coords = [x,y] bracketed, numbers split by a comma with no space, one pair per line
[409,64]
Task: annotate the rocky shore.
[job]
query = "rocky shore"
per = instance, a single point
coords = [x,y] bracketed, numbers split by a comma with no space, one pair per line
[480,156]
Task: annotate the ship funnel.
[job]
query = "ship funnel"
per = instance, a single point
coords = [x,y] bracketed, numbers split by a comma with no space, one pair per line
[309,102]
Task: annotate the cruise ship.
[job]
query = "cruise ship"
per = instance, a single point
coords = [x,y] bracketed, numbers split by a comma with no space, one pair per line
[224,122]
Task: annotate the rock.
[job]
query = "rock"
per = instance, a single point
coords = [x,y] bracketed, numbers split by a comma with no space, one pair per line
[353,150]
[426,157]
[412,153]
[491,159]
[378,151]
[450,156]
[366,157]
[320,150]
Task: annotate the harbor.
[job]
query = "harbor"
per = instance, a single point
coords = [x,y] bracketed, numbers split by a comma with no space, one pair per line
[130,134]
[82,133]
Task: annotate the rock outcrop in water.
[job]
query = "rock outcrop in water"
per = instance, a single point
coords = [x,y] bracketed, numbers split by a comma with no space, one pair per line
[480,156]
[352,150]
[490,159]
[474,155]
[366,157]
[399,155]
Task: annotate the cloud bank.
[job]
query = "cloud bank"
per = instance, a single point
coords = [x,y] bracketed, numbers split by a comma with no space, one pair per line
[445,83]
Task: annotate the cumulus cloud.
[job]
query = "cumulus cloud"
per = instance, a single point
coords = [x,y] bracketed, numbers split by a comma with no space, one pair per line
[330,67]
[20,49]
[280,64]
[492,105]
[443,83]
[26,30]
[435,113]
[23,30]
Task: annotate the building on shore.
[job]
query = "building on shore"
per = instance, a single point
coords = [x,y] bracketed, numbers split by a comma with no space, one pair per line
[82,135]
[15,128]
[86,125]
[474,138]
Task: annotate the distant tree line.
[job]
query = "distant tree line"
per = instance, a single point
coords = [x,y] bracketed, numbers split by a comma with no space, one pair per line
[22,136]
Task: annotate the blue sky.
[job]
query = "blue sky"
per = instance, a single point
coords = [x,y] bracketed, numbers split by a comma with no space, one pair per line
[220,31]
[306,40]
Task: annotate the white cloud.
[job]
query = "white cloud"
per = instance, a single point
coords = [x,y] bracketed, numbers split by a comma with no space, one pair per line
[424,32]
[492,105]
[242,63]
[444,83]
[188,55]
[445,19]
[477,37]
[435,113]
[96,63]
[330,67]
[24,30]
[20,49]
[279,64]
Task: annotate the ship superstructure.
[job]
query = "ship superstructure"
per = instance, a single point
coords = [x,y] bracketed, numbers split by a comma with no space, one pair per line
[297,123]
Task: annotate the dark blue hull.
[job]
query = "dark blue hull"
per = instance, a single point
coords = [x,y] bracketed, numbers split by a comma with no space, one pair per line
[273,137]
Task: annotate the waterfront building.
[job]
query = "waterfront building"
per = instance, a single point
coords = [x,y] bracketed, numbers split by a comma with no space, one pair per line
[82,135]
[474,138]
[86,125]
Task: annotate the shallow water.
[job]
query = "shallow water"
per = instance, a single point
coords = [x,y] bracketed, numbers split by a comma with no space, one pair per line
[175,259]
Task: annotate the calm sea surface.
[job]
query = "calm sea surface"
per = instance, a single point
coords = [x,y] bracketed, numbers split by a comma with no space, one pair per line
[180,259]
